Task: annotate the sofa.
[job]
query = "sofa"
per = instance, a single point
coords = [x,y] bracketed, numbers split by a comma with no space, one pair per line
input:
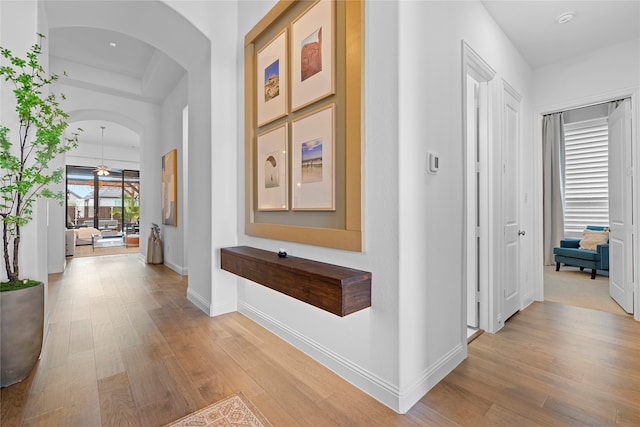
[83,235]
[104,224]
[592,251]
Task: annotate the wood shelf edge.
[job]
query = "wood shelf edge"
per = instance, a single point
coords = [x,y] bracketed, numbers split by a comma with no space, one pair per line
[336,289]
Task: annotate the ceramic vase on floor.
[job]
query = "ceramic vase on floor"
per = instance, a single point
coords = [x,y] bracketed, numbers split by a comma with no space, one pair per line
[21,326]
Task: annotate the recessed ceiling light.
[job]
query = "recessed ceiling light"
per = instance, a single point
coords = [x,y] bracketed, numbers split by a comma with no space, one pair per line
[565,17]
[112,44]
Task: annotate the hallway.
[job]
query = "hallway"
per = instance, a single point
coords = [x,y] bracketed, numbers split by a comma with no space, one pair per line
[125,347]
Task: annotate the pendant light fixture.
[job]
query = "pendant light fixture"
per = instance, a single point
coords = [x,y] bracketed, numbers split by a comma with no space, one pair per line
[102,170]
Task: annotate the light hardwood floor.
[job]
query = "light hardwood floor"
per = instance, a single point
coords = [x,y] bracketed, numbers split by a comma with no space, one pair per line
[126,348]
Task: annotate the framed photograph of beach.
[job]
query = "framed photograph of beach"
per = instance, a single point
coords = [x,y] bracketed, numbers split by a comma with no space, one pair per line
[272,170]
[312,153]
[271,84]
[312,55]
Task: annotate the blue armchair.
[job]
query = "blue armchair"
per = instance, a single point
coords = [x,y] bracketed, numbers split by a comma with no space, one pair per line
[569,253]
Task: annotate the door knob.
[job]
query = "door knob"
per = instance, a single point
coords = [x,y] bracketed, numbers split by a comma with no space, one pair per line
[520,232]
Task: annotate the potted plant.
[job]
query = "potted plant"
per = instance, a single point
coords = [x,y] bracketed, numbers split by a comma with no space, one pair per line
[25,154]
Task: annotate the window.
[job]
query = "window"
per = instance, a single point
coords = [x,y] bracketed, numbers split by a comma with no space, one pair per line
[586,175]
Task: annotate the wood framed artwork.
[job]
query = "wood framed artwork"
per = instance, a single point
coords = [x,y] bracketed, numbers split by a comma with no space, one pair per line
[271,168]
[321,125]
[272,81]
[312,53]
[312,183]
[170,188]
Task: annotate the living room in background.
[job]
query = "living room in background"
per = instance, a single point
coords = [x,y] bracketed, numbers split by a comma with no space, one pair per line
[114,208]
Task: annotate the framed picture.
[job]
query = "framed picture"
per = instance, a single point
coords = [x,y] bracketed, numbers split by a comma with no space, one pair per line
[170,188]
[326,209]
[272,169]
[312,156]
[312,55]
[271,85]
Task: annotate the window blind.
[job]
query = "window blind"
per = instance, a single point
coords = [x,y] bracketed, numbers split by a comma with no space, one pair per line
[586,175]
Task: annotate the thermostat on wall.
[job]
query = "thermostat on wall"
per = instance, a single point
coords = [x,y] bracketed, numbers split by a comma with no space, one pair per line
[434,163]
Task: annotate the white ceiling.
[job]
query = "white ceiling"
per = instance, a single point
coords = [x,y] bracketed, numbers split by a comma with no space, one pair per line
[132,68]
[531,26]
[90,46]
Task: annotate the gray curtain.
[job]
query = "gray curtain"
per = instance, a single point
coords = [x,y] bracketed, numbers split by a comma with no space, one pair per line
[553,183]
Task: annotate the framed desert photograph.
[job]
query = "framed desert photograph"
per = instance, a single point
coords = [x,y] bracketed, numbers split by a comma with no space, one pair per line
[271,82]
[271,169]
[312,55]
[312,155]
[170,188]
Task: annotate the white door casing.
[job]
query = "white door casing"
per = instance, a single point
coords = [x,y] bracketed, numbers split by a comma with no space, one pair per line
[620,207]
[511,295]
[477,122]
[472,217]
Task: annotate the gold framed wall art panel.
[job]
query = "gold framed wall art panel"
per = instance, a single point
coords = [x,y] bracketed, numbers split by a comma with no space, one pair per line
[170,188]
[342,227]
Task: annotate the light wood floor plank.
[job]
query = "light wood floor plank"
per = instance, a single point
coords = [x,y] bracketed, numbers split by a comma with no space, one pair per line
[125,347]
[116,402]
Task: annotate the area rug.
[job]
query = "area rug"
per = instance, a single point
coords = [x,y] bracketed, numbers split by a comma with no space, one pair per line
[236,410]
[86,250]
[574,287]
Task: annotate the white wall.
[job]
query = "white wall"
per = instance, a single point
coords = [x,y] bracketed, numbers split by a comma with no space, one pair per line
[171,131]
[432,206]
[213,196]
[412,334]
[19,23]
[589,76]
[362,347]
[90,155]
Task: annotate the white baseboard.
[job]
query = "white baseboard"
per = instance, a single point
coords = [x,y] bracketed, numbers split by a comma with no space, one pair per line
[430,377]
[365,380]
[197,300]
[209,309]
[380,389]
[183,271]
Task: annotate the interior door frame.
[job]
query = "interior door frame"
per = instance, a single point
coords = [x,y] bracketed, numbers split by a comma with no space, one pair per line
[474,66]
[538,259]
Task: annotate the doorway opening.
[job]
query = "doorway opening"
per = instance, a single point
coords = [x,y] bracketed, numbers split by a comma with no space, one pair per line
[103,211]
[594,147]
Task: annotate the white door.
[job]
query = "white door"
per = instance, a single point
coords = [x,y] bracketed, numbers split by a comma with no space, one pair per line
[620,207]
[510,203]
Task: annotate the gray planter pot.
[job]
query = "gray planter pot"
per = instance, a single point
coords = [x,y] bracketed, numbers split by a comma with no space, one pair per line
[21,326]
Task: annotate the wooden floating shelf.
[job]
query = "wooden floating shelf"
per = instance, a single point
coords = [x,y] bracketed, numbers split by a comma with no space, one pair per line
[338,290]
